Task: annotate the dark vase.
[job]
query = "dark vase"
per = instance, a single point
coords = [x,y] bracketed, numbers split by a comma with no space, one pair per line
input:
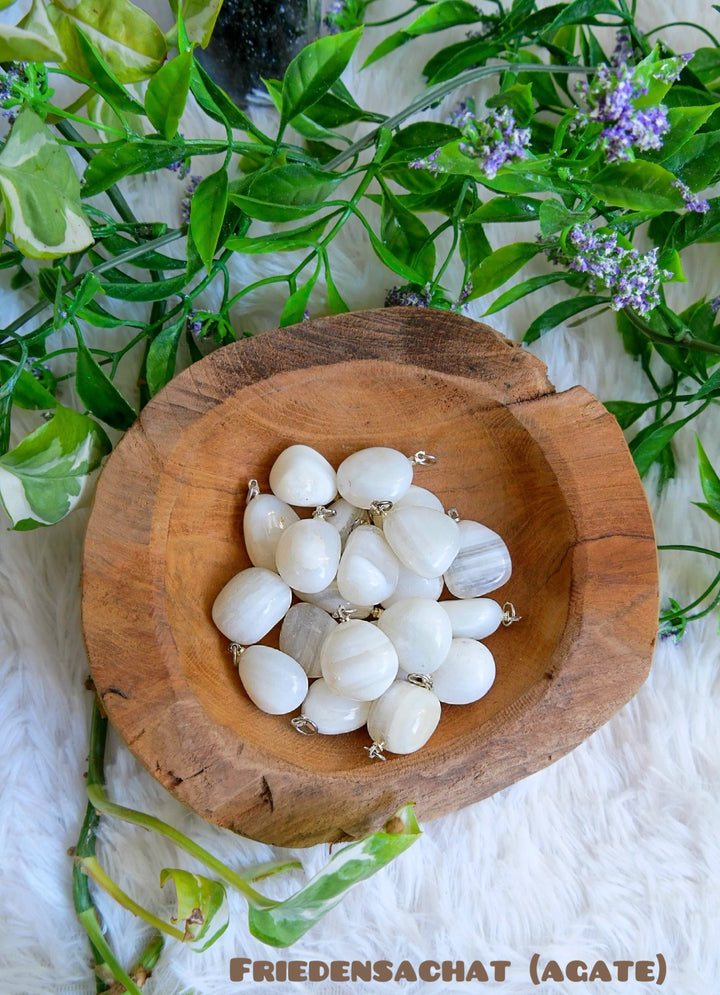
[256,39]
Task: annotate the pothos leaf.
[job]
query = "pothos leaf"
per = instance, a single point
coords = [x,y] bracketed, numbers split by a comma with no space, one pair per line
[31,40]
[202,907]
[286,922]
[41,192]
[199,17]
[52,470]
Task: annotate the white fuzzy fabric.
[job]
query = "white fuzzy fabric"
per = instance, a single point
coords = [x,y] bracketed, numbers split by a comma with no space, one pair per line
[612,853]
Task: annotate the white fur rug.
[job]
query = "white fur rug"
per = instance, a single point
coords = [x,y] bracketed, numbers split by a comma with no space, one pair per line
[611,854]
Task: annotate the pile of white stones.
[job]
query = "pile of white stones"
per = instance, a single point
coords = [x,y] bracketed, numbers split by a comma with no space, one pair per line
[384,549]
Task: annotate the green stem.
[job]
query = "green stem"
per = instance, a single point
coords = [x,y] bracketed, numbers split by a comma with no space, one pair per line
[686,342]
[692,549]
[92,868]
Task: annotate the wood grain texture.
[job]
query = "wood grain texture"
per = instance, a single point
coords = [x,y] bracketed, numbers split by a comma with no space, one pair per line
[550,472]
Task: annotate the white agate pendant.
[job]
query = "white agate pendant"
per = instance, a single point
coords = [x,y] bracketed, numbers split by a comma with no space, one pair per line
[420,631]
[331,713]
[302,477]
[475,618]
[302,634]
[419,497]
[412,585]
[467,673]
[403,719]
[358,660]
[374,474]
[250,604]
[482,563]
[266,518]
[307,554]
[273,680]
[331,601]
[368,569]
[426,541]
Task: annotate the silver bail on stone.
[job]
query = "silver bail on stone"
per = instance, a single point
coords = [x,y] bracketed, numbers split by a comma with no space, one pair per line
[236,651]
[421,458]
[454,514]
[322,512]
[252,491]
[509,614]
[304,725]
[380,508]
[343,614]
[375,752]
[421,681]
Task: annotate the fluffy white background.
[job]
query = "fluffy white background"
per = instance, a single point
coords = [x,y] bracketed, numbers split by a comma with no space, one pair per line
[611,853]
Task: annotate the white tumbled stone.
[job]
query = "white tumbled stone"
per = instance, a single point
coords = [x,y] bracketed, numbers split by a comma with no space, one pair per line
[358,660]
[368,569]
[425,540]
[302,634]
[345,517]
[303,477]
[467,673]
[275,682]
[307,554]
[332,713]
[404,718]
[265,519]
[412,585]
[420,631]
[482,563]
[250,604]
[374,474]
[475,618]
[419,497]
[332,601]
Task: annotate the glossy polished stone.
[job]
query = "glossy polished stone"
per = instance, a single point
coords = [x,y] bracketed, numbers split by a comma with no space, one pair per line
[482,563]
[332,601]
[265,519]
[467,674]
[273,680]
[420,631]
[374,474]
[475,618]
[368,569]
[308,554]
[358,660]
[250,604]
[404,718]
[301,476]
[419,497]
[332,713]
[412,585]
[302,634]
[425,540]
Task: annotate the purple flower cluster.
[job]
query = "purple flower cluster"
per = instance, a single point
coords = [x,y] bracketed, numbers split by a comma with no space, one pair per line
[632,278]
[9,98]
[409,295]
[333,16]
[494,141]
[609,101]
[692,201]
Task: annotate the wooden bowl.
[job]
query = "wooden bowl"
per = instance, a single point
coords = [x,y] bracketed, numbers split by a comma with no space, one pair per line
[550,472]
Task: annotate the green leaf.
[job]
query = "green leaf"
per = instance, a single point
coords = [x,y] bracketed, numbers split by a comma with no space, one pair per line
[692,227]
[392,262]
[554,217]
[51,471]
[474,244]
[199,17]
[313,71]
[285,192]
[126,158]
[167,94]
[697,162]
[215,102]
[498,267]
[405,235]
[337,304]
[711,385]
[684,122]
[709,480]
[162,356]
[41,192]
[519,99]
[523,289]
[29,42]
[647,446]
[97,391]
[104,79]
[286,922]
[441,15]
[626,412]
[282,241]
[506,209]
[128,39]
[638,185]
[295,309]
[123,288]
[583,12]
[207,211]
[558,313]
[202,907]
[28,392]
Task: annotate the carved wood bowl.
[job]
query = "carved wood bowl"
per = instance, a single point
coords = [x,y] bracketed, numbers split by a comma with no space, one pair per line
[548,471]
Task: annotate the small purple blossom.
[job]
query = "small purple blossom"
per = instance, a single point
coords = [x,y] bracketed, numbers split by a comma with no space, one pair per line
[671,71]
[409,295]
[334,16]
[190,188]
[194,324]
[632,278]
[715,305]
[493,141]
[692,201]
[461,303]
[430,163]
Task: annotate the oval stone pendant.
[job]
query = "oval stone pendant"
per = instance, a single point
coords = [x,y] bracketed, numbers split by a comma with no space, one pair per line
[412,585]
[331,713]
[307,554]
[266,518]
[302,634]
[250,604]
[467,673]
[404,718]
[419,497]
[482,563]
[425,540]
[475,618]
[420,631]
[368,570]
[273,680]
[301,476]
[374,474]
[358,660]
